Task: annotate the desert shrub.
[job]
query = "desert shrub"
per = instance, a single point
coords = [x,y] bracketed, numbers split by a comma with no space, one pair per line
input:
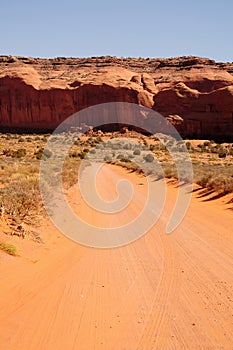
[120,156]
[127,146]
[130,166]
[108,159]
[8,248]
[21,199]
[215,177]
[203,179]
[74,154]
[77,142]
[149,158]
[152,147]
[39,155]
[222,153]
[21,152]
[170,143]
[213,149]
[82,154]
[108,144]
[125,160]
[14,169]
[202,147]
[70,172]
[137,152]
[221,184]
[170,171]
[43,154]
[7,152]
[99,139]
[116,146]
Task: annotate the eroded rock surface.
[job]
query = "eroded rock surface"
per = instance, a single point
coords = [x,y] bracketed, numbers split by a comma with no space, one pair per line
[196,94]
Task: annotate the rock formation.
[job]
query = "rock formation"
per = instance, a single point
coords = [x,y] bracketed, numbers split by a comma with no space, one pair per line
[195,94]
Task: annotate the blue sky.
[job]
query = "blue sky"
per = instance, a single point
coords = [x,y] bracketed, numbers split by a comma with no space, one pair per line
[125,28]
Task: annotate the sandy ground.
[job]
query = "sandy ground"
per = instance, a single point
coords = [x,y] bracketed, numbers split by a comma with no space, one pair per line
[160,292]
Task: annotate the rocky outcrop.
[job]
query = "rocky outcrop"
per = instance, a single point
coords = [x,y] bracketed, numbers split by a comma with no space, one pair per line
[195,94]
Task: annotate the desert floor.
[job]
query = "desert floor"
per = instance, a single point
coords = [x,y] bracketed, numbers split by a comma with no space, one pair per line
[160,292]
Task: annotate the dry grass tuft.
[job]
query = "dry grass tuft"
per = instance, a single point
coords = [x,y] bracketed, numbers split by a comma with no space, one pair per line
[8,248]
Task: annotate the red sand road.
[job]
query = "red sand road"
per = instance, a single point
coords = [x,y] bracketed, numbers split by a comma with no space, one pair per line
[160,292]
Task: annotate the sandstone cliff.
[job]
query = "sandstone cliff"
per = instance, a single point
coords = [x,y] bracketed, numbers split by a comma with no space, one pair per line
[196,94]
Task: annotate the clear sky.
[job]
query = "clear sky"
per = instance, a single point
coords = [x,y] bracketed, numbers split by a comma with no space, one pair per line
[128,28]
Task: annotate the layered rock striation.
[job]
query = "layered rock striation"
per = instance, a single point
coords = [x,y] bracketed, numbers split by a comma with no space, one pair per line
[195,94]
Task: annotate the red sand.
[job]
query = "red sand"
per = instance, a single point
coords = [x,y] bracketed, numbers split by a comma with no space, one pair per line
[160,292]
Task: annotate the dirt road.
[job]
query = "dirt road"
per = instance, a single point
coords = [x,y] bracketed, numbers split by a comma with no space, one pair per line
[160,292]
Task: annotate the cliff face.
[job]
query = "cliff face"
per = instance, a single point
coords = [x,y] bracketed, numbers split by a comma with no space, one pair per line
[195,94]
